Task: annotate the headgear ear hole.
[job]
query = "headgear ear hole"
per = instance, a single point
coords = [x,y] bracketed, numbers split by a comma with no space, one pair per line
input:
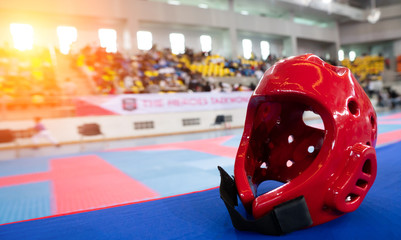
[362,183]
[367,167]
[372,120]
[352,197]
[289,163]
[263,165]
[353,107]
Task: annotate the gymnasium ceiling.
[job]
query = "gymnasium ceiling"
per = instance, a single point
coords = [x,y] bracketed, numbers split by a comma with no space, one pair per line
[310,12]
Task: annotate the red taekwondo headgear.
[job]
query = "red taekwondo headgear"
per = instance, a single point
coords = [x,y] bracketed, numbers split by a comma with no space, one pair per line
[325,172]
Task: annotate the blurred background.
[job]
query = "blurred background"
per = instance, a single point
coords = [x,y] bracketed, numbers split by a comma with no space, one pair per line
[51,52]
[79,77]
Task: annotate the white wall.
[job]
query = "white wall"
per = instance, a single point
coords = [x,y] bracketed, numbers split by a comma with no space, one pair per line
[319,48]
[365,32]
[160,33]
[117,127]
[386,29]
[276,43]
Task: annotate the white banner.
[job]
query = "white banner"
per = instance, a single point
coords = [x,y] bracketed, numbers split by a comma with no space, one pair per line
[129,104]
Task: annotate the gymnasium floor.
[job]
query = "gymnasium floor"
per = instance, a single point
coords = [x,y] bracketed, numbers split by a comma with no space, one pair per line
[51,181]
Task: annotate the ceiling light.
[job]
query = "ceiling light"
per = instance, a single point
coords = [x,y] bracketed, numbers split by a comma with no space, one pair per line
[243,12]
[326,1]
[374,15]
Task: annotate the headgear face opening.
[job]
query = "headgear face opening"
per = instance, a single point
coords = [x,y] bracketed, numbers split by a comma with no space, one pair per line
[325,172]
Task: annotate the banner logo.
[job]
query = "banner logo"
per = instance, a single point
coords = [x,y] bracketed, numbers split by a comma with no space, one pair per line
[129,104]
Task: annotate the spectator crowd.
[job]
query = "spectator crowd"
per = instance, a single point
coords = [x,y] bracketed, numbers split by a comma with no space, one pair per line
[27,77]
[156,71]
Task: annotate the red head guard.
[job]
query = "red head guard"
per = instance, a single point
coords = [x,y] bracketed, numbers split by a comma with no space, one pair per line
[326,173]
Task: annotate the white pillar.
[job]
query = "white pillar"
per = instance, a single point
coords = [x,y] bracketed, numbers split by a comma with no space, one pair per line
[233,30]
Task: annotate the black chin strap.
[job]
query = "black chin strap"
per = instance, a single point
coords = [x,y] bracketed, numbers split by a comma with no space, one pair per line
[284,218]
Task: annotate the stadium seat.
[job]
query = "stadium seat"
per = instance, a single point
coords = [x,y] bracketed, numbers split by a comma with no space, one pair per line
[89,129]
[7,136]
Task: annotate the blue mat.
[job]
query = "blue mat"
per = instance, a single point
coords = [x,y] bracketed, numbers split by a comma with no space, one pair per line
[203,215]
[25,201]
